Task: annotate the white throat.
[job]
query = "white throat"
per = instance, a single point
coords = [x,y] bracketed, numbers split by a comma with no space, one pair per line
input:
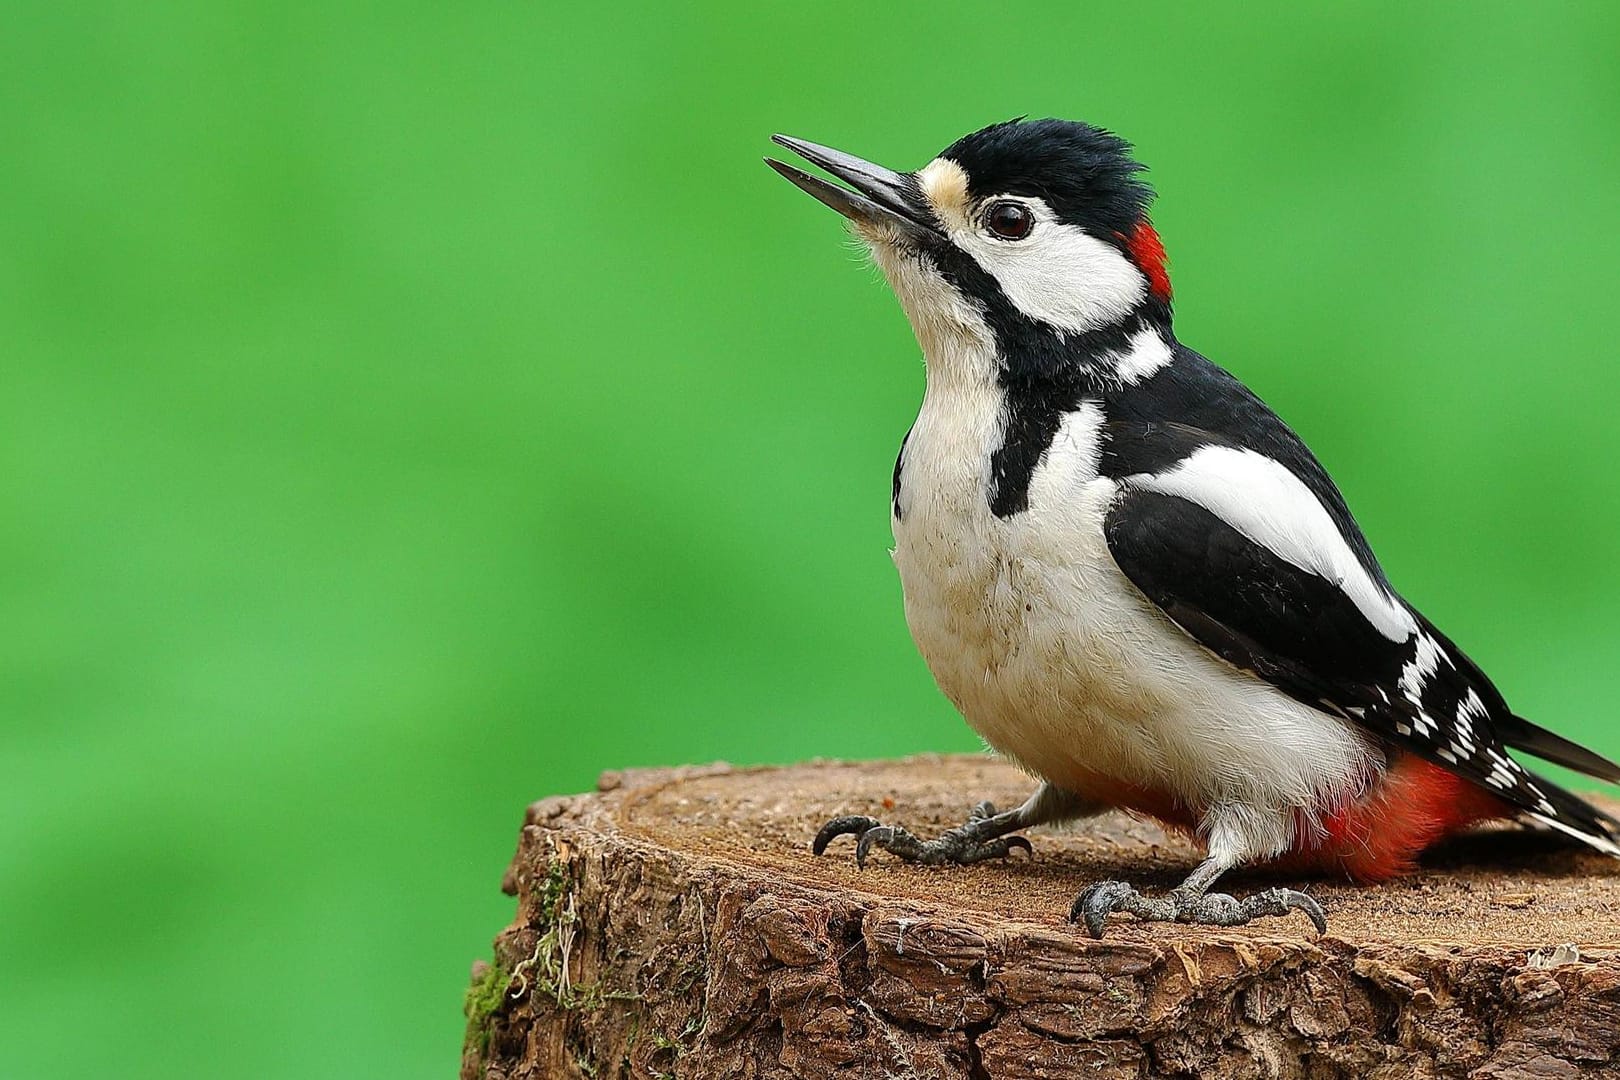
[958,346]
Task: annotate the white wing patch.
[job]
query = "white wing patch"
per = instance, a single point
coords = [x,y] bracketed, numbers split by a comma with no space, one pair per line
[1272,507]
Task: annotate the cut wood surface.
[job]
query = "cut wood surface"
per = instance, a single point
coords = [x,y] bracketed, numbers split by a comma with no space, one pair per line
[675,924]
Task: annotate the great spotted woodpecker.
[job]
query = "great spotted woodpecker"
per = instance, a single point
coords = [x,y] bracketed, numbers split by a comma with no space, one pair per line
[1131,576]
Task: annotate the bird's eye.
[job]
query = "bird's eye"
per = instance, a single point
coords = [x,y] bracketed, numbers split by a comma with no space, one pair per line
[1010,220]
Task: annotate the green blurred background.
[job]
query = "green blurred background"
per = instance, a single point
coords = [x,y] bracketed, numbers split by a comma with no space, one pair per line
[410,411]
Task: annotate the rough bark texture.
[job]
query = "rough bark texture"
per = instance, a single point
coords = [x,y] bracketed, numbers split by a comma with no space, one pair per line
[676,924]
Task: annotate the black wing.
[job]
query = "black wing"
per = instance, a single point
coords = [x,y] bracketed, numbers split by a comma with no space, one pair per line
[1302,633]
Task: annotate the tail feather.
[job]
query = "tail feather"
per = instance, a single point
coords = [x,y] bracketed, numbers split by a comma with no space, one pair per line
[1576,817]
[1521,734]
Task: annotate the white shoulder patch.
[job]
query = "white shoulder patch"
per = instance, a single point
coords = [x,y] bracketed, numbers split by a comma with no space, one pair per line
[1272,507]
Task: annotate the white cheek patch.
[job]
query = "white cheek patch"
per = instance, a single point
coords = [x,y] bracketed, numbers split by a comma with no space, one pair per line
[1060,274]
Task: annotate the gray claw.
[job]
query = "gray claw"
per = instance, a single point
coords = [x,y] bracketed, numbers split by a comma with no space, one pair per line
[1094,904]
[856,824]
[1282,901]
[887,837]
[1097,902]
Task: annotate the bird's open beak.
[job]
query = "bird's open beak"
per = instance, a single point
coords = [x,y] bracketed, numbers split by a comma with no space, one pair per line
[880,196]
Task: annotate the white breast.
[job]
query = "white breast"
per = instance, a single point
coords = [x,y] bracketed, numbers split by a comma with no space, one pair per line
[1060,663]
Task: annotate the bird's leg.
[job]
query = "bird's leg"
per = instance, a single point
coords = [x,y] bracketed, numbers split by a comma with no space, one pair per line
[985,835]
[1191,902]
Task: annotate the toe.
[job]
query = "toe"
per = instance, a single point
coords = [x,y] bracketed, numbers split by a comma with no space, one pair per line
[966,855]
[1212,909]
[881,835]
[848,825]
[1294,900]
[1097,902]
[1219,909]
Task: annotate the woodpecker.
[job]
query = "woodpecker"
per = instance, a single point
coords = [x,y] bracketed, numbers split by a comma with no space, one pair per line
[1130,576]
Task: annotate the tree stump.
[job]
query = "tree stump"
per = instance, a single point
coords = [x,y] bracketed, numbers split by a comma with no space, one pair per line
[675,924]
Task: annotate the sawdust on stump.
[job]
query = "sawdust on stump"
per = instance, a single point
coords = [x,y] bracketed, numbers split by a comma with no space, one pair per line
[675,924]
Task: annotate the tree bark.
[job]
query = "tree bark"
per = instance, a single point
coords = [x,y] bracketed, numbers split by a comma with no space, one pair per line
[675,924]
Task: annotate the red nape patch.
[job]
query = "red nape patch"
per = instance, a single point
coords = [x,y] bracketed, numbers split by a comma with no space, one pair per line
[1380,835]
[1148,252]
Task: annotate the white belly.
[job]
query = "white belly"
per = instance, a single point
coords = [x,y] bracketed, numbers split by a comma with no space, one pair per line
[1057,660]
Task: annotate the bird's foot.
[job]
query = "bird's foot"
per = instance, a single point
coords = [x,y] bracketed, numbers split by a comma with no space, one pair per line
[1205,909]
[982,837]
